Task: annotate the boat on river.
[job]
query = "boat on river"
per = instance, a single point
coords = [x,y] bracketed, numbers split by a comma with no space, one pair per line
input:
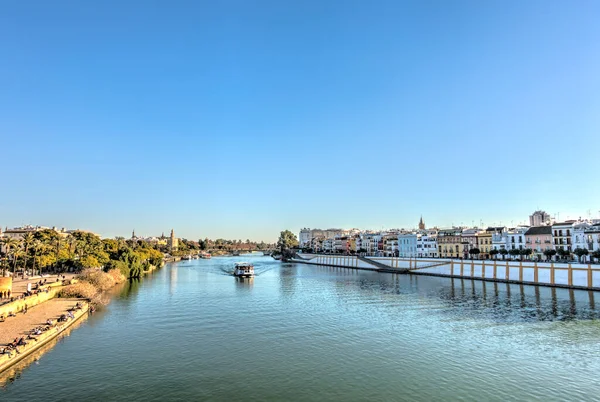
[243,269]
[205,256]
[276,256]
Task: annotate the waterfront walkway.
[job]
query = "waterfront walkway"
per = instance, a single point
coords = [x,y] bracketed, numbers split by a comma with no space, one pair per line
[16,327]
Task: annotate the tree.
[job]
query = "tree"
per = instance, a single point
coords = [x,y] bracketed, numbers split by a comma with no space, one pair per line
[514,252]
[474,251]
[596,254]
[563,253]
[494,252]
[287,240]
[27,242]
[525,252]
[580,252]
[503,251]
[549,253]
[10,245]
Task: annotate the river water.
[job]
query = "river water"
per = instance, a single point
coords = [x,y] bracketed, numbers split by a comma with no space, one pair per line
[301,332]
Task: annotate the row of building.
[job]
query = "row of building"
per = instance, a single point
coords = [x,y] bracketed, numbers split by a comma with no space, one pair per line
[541,235]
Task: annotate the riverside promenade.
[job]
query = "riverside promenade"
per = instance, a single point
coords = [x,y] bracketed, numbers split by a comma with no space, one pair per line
[22,325]
[556,274]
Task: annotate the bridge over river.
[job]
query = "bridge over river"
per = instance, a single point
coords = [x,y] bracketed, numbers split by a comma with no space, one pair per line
[577,276]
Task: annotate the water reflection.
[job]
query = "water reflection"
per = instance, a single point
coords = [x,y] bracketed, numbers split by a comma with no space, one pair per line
[514,302]
[172,278]
[503,302]
[244,283]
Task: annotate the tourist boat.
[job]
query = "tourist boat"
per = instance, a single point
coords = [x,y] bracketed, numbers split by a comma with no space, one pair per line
[205,256]
[244,269]
[266,253]
[277,257]
[186,257]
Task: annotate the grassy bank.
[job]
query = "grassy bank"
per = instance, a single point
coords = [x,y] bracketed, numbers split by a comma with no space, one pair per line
[91,283]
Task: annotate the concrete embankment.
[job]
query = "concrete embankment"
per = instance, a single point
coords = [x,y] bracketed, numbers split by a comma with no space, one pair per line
[8,360]
[568,275]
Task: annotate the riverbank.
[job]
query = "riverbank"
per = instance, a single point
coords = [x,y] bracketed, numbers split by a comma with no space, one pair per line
[35,318]
[23,325]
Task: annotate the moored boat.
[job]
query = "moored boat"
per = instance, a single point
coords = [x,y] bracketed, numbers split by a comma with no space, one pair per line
[243,269]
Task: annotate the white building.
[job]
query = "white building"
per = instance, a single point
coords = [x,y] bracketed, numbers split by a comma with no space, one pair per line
[515,238]
[407,245]
[562,233]
[328,245]
[305,237]
[593,237]
[427,244]
[499,238]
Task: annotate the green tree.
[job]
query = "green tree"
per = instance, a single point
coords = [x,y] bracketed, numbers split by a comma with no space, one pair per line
[549,253]
[596,255]
[27,241]
[580,252]
[514,252]
[503,251]
[474,251]
[10,246]
[564,254]
[287,240]
[494,252]
[525,252]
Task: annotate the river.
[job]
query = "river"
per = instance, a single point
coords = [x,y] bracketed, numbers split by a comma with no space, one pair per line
[299,332]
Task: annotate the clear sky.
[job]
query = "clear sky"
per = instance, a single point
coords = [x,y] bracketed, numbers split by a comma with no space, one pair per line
[239,119]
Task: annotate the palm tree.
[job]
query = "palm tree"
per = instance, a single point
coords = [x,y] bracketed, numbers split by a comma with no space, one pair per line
[37,247]
[17,252]
[9,244]
[27,241]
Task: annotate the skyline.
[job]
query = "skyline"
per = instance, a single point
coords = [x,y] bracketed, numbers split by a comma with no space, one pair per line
[236,121]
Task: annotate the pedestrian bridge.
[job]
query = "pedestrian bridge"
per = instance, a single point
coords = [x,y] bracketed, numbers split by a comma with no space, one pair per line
[570,275]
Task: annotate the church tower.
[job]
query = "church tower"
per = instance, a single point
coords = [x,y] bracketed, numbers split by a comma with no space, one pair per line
[421,224]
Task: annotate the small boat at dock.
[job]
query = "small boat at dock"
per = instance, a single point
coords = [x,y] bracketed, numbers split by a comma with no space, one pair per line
[243,269]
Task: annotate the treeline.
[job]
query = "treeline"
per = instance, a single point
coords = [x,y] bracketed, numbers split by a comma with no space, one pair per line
[48,251]
[187,246]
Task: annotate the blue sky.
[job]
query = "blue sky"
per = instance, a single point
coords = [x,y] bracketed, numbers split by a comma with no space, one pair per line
[239,119]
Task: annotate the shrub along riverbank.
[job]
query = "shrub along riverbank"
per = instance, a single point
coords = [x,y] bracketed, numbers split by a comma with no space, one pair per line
[91,283]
